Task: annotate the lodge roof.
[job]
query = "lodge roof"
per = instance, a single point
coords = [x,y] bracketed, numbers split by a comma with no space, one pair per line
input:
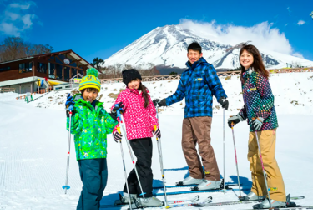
[70,52]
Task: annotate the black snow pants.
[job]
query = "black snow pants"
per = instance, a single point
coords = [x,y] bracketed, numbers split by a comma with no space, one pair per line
[143,151]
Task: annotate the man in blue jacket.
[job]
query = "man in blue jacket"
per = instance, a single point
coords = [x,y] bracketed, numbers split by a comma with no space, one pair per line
[197,85]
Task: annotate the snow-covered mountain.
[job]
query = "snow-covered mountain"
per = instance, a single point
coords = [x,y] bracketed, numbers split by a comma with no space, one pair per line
[168,46]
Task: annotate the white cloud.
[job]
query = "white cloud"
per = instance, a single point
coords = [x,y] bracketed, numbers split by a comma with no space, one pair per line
[20,6]
[262,35]
[16,18]
[298,55]
[301,22]
[9,29]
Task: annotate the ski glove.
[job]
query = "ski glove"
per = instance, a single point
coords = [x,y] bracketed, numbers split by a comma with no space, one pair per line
[69,104]
[224,102]
[160,103]
[117,136]
[113,115]
[119,106]
[257,123]
[157,133]
[235,119]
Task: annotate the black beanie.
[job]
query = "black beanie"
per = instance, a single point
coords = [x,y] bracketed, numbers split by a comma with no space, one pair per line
[129,75]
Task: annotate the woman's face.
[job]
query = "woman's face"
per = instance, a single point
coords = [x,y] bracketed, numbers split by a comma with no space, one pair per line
[134,84]
[90,95]
[246,59]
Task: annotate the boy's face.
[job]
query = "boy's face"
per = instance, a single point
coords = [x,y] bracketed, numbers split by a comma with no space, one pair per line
[90,94]
[134,84]
[193,56]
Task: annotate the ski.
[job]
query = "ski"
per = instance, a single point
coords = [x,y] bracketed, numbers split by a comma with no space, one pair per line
[288,208]
[171,205]
[224,203]
[194,191]
[193,200]
[192,185]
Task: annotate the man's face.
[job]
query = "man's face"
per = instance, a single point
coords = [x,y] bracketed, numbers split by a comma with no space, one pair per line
[90,94]
[193,56]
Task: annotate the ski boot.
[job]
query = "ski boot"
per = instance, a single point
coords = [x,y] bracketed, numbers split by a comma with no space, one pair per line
[252,197]
[269,203]
[189,181]
[123,200]
[208,185]
[148,202]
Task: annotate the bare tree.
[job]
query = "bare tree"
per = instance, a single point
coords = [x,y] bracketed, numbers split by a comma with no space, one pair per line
[15,48]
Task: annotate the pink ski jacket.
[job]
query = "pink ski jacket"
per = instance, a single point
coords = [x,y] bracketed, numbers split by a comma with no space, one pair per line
[139,121]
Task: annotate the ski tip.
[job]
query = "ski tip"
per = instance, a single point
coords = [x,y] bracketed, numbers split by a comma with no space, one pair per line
[167,207]
[66,187]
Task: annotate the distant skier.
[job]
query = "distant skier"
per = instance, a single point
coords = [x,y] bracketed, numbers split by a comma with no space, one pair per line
[259,110]
[197,85]
[90,126]
[140,118]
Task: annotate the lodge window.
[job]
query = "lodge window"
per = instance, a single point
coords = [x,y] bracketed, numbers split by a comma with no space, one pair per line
[25,67]
[59,72]
[51,67]
[42,68]
[66,74]
[5,68]
[74,72]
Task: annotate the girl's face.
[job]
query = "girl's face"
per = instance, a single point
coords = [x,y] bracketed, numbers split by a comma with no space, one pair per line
[90,94]
[134,84]
[246,59]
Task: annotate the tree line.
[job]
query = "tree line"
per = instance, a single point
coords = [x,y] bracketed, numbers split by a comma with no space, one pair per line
[13,48]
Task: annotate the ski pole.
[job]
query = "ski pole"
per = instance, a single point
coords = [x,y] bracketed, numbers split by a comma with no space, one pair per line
[66,187]
[261,160]
[224,146]
[161,157]
[125,175]
[130,151]
[232,128]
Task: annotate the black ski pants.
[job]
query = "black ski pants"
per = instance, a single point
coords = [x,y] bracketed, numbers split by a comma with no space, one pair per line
[143,151]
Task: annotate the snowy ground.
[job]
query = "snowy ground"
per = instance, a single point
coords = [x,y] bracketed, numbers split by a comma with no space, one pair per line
[33,148]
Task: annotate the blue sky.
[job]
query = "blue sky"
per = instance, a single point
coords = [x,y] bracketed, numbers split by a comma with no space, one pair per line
[100,28]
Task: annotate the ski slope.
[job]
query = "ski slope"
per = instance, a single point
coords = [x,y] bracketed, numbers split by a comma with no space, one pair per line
[33,147]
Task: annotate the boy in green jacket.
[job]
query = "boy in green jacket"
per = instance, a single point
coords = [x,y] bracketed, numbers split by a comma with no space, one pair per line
[90,126]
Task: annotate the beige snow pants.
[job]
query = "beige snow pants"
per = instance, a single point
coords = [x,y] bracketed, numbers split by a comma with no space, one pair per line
[275,181]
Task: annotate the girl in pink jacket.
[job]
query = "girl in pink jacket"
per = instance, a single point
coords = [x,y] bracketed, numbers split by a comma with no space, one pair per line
[140,119]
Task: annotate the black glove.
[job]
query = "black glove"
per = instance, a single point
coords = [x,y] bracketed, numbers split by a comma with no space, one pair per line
[157,133]
[257,123]
[156,102]
[224,102]
[234,119]
[119,106]
[117,136]
[113,115]
[160,103]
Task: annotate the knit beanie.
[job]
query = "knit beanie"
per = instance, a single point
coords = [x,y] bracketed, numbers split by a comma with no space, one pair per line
[129,75]
[90,80]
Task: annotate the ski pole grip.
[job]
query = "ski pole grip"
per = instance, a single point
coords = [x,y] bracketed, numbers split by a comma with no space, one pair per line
[155,128]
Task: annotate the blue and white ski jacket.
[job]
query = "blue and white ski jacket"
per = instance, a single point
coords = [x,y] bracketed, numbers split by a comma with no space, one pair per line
[197,85]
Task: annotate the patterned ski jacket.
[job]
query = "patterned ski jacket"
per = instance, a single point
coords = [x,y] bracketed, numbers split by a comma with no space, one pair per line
[139,120]
[90,127]
[197,85]
[259,100]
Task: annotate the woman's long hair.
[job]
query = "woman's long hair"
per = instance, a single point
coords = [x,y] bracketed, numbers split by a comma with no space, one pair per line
[145,94]
[258,64]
